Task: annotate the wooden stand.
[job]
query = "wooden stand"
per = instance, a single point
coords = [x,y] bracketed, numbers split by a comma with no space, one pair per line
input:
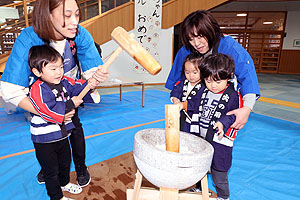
[138,193]
[172,144]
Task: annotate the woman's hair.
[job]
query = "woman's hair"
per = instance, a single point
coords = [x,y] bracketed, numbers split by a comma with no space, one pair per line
[205,26]
[192,58]
[40,56]
[217,66]
[41,21]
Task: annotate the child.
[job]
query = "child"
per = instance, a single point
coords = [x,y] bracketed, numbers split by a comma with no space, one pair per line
[189,87]
[53,95]
[209,119]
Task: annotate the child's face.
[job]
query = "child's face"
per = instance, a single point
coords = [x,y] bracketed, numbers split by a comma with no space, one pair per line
[215,86]
[52,72]
[191,72]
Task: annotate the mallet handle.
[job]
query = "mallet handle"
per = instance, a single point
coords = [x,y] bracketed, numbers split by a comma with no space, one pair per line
[172,127]
[115,54]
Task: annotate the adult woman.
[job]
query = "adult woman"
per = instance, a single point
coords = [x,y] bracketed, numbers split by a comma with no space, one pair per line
[200,33]
[54,21]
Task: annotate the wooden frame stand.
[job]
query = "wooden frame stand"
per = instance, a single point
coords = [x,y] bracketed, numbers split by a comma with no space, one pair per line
[139,193]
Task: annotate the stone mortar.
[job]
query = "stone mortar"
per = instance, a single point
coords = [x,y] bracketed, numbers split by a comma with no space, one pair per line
[169,169]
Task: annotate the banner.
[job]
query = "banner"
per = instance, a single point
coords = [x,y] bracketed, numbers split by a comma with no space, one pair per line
[147,28]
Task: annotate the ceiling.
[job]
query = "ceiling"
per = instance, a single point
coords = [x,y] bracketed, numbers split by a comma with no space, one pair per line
[259,5]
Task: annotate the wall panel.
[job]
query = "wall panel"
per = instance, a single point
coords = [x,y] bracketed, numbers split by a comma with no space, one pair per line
[289,62]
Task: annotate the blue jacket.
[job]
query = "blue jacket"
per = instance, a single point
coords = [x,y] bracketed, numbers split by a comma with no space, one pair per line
[244,66]
[17,70]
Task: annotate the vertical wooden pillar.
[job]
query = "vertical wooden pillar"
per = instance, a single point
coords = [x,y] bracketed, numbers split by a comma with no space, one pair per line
[25,13]
[168,193]
[99,7]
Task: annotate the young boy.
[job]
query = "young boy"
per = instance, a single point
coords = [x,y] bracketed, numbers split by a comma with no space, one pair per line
[53,95]
[209,119]
[189,87]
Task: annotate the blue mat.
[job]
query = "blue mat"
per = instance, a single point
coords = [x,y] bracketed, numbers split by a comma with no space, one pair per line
[266,155]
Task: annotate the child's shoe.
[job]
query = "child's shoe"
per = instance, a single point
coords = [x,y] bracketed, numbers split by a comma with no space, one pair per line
[195,189]
[220,198]
[72,188]
[40,177]
[66,198]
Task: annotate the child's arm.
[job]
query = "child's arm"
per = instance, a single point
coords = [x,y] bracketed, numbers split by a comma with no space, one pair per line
[75,87]
[176,93]
[234,103]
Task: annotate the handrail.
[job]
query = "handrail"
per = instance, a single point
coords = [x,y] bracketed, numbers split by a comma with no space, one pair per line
[17,4]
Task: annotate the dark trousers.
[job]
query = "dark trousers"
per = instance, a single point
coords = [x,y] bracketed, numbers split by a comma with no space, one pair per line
[221,181]
[55,160]
[78,143]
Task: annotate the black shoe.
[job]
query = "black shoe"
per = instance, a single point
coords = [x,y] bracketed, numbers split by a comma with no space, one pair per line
[40,177]
[83,176]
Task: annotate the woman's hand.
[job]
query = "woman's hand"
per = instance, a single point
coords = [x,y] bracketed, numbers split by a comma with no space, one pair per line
[69,115]
[101,74]
[92,83]
[242,115]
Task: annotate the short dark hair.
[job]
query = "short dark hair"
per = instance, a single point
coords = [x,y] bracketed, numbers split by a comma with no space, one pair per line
[41,21]
[205,25]
[40,56]
[193,58]
[217,66]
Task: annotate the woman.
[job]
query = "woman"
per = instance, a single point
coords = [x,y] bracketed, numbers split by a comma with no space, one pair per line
[200,33]
[54,22]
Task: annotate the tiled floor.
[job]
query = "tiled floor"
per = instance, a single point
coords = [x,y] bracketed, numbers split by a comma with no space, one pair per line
[284,87]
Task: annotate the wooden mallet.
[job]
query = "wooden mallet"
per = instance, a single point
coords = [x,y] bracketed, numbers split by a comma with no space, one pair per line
[134,49]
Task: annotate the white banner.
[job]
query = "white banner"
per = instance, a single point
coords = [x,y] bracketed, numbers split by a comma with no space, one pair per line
[147,29]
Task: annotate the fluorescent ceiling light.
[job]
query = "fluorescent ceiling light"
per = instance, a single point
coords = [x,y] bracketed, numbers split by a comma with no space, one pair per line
[267,22]
[241,14]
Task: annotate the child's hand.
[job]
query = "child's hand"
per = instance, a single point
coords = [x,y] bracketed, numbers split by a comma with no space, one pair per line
[175,100]
[77,101]
[92,83]
[180,104]
[219,127]
[69,115]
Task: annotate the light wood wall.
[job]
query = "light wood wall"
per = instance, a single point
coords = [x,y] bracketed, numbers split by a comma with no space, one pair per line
[101,26]
[289,62]
[173,12]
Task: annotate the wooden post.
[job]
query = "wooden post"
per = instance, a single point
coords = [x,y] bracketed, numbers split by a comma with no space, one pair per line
[25,13]
[172,127]
[143,94]
[168,193]
[120,92]
[204,186]
[99,7]
[137,185]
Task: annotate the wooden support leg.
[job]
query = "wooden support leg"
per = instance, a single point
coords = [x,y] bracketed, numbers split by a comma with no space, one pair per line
[168,194]
[137,185]
[120,92]
[143,94]
[204,186]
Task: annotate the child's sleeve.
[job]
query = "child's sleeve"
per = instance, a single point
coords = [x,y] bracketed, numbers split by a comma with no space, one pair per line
[75,87]
[43,100]
[177,90]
